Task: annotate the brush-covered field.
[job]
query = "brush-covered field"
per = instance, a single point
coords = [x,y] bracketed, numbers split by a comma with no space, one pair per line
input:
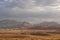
[29,35]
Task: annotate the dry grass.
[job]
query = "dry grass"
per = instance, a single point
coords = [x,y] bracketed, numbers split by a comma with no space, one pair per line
[29,35]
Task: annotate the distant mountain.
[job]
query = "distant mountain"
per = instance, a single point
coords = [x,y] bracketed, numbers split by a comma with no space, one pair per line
[11,24]
[46,25]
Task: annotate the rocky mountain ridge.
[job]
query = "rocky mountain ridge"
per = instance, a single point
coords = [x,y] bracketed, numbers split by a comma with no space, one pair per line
[11,24]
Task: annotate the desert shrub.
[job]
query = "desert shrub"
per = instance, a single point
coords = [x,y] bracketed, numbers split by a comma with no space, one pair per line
[58,39]
[54,32]
[23,33]
[39,34]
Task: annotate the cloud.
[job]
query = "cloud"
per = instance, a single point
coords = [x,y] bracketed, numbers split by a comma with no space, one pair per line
[30,10]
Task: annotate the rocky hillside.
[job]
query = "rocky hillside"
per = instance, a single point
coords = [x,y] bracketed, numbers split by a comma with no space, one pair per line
[11,24]
[46,25]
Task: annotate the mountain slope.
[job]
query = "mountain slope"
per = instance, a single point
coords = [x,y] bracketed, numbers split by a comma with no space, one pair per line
[11,24]
[46,25]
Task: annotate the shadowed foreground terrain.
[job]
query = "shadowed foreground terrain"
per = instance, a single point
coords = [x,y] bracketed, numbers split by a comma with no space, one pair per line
[29,35]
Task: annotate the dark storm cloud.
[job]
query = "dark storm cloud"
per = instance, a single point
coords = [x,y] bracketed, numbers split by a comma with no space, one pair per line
[1,0]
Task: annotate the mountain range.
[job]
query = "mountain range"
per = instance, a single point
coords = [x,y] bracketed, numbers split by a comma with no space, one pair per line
[11,24]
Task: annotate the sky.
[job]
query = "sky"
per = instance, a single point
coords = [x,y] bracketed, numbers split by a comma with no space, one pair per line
[34,11]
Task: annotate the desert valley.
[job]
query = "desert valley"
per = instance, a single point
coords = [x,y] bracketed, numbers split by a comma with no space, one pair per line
[12,30]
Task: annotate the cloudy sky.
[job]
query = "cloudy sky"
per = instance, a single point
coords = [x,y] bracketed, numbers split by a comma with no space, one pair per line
[33,11]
